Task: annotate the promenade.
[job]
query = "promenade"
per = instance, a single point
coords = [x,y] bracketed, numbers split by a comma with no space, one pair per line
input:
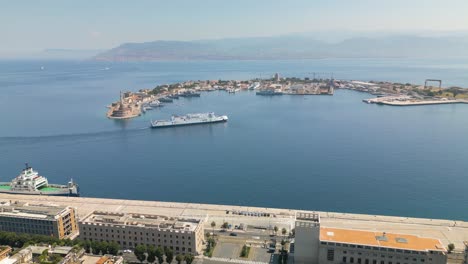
[448,231]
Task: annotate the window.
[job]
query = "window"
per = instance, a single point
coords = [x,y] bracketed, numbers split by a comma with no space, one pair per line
[351,260]
[359,260]
[382,262]
[367,261]
[344,259]
[330,254]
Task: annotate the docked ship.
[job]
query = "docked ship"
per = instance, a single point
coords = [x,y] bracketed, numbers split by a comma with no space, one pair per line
[189,119]
[190,94]
[254,86]
[30,182]
[269,92]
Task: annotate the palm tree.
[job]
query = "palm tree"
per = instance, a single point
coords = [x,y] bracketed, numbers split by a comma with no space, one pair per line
[213,224]
[275,229]
[179,258]
[284,231]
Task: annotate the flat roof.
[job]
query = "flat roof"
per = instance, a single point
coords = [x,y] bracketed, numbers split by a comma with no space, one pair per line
[380,239]
[31,211]
[141,220]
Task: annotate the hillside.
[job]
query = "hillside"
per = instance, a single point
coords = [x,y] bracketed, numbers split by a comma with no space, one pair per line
[288,47]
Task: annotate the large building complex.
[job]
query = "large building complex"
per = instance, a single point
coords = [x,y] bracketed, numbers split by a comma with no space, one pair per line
[184,236]
[320,245]
[57,221]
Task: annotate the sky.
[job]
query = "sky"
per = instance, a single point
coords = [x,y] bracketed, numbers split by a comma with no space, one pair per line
[27,26]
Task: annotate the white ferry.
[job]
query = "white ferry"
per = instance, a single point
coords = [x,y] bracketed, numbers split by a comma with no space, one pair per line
[189,119]
[30,182]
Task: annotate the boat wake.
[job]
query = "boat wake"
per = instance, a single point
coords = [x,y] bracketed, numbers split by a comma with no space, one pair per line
[97,134]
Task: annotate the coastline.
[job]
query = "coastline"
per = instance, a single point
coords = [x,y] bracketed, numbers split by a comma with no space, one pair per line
[448,231]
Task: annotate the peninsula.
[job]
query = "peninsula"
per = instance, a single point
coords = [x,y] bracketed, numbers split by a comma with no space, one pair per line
[133,104]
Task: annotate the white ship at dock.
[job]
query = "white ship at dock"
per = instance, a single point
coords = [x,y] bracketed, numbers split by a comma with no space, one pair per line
[189,119]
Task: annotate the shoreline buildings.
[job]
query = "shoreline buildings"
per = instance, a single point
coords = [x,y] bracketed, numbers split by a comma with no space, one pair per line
[183,236]
[57,221]
[320,245]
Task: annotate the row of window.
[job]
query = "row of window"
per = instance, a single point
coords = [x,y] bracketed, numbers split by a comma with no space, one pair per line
[135,238]
[129,232]
[367,261]
[134,244]
[373,248]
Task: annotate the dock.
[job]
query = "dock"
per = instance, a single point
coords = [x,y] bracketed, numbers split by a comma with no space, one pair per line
[448,231]
[405,100]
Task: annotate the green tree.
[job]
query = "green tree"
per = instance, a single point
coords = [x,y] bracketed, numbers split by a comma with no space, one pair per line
[140,251]
[189,258]
[179,258]
[159,253]
[151,250]
[275,229]
[284,231]
[95,247]
[213,224]
[104,246]
[87,246]
[169,255]
[113,248]
[450,247]
[225,225]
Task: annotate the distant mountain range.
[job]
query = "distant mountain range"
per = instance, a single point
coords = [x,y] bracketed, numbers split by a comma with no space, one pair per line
[289,47]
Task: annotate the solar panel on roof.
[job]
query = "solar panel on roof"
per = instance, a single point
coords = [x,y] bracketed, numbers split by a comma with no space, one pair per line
[401,240]
[381,238]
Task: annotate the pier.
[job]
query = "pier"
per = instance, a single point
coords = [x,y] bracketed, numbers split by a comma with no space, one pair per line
[448,231]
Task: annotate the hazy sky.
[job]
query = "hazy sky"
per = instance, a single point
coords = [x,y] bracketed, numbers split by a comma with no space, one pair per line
[93,24]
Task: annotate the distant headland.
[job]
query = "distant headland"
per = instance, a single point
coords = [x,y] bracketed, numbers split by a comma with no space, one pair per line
[133,104]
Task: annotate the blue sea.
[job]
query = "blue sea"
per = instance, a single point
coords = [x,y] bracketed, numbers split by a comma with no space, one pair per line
[329,153]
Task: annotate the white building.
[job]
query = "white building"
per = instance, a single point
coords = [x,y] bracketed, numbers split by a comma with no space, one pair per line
[322,245]
[183,236]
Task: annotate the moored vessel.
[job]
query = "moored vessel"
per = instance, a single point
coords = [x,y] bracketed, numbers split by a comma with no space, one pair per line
[189,119]
[30,182]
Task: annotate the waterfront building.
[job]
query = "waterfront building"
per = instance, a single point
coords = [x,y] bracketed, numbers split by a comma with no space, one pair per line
[277,77]
[315,244]
[57,221]
[4,252]
[466,252]
[183,236]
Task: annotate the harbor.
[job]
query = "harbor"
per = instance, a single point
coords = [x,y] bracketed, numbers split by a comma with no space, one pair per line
[260,218]
[134,104]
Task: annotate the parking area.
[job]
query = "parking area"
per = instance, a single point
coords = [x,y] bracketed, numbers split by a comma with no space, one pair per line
[227,250]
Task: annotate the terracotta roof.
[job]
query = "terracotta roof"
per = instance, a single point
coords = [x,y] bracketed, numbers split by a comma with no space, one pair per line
[102,260]
[380,239]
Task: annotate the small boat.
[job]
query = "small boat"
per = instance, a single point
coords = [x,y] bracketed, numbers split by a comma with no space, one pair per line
[269,92]
[155,103]
[173,96]
[165,100]
[190,94]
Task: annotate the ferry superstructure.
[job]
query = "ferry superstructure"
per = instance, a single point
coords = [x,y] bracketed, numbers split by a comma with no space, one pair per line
[30,182]
[189,119]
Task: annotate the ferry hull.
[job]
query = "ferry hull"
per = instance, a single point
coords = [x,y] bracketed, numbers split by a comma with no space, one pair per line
[189,124]
[58,193]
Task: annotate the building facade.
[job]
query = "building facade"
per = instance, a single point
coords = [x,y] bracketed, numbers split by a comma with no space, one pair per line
[183,236]
[321,245]
[57,221]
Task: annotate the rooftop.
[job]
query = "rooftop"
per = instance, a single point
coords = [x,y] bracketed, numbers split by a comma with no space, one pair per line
[380,239]
[141,220]
[24,210]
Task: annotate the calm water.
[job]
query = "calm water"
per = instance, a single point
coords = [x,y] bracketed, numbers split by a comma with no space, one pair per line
[330,153]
